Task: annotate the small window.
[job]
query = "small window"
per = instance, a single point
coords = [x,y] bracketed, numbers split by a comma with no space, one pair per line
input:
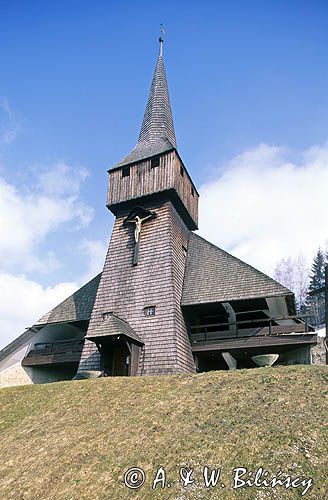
[154,162]
[192,192]
[150,311]
[107,315]
[185,250]
[181,170]
[125,171]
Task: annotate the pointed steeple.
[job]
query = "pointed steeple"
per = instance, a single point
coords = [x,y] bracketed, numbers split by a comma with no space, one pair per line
[157,129]
[157,123]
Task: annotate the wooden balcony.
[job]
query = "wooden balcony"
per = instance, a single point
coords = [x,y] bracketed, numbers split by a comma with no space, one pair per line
[246,334]
[51,353]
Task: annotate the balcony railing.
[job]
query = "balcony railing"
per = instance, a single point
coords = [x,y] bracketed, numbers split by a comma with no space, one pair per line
[62,351]
[247,328]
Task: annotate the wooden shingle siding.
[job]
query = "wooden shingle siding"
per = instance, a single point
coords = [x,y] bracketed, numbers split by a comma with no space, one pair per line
[145,180]
[180,238]
[157,130]
[184,186]
[224,277]
[157,280]
[90,358]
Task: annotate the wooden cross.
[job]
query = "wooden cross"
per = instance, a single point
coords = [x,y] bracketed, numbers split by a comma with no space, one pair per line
[138,216]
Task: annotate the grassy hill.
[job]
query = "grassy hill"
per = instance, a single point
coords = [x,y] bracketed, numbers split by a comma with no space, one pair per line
[75,440]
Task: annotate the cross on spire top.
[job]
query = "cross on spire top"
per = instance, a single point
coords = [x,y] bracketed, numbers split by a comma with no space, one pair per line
[161,40]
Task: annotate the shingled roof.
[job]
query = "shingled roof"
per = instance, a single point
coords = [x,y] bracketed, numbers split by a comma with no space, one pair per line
[157,130]
[77,307]
[111,326]
[213,275]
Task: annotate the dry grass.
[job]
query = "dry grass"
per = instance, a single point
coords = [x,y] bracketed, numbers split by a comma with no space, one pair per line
[74,440]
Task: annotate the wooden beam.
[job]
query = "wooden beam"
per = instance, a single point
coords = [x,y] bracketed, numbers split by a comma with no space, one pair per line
[248,342]
[135,254]
[51,359]
[247,332]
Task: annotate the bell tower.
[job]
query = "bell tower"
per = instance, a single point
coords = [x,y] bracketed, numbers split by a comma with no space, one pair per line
[154,166]
[155,203]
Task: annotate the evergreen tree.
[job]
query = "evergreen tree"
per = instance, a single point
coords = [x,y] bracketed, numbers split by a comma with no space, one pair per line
[317,276]
[316,303]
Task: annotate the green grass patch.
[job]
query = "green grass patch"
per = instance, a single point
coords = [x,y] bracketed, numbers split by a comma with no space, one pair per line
[75,440]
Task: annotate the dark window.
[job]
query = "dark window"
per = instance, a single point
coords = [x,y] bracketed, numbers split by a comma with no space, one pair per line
[192,192]
[125,171]
[149,311]
[107,315]
[184,249]
[154,162]
[182,170]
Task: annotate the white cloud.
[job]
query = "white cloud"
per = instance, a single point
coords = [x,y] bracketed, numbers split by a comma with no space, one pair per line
[262,207]
[10,126]
[24,301]
[61,180]
[95,252]
[28,216]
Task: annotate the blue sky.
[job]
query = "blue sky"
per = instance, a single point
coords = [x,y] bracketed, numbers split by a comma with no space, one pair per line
[79,72]
[75,76]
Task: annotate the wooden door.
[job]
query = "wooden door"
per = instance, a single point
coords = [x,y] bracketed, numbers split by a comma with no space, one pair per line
[106,353]
[120,365]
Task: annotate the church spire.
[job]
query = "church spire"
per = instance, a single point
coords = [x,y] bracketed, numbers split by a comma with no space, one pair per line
[157,123]
[157,130]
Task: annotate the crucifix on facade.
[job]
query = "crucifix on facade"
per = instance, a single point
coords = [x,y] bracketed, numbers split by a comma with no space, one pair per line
[138,216]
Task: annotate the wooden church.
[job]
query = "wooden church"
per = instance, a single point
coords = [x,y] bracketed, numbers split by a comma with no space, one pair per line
[167,300]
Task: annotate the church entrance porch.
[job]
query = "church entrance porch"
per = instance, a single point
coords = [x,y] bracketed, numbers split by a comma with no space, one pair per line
[119,346]
[115,357]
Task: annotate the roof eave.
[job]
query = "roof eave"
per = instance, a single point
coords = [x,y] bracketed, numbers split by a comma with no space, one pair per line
[231,299]
[121,165]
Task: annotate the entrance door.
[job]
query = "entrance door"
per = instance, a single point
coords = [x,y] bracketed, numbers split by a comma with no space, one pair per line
[106,352]
[120,358]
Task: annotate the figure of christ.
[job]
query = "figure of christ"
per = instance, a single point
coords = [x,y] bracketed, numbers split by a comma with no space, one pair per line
[138,222]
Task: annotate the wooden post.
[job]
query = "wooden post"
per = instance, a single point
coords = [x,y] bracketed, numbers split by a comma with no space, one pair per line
[135,254]
[134,360]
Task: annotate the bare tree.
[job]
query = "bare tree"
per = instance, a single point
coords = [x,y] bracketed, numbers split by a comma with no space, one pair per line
[294,274]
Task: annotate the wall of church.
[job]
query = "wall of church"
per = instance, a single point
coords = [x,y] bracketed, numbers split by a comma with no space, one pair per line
[14,375]
[180,240]
[90,358]
[299,356]
[156,280]
[185,188]
[144,180]
[17,374]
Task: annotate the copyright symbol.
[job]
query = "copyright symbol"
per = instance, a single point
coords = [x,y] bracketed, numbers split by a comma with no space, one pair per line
[134,478]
